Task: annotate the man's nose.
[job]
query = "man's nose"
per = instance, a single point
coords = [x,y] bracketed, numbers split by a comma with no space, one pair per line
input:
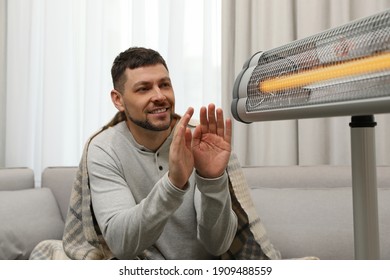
[158,94]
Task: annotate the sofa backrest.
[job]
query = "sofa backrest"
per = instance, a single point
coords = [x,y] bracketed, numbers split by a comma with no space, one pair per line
[60,180]
[12,179]
[308,210]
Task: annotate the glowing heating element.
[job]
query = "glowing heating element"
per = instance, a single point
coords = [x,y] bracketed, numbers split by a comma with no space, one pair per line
[340,70]
[344,71]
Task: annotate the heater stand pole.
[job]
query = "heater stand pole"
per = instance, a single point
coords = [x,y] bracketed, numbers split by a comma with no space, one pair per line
[364,188]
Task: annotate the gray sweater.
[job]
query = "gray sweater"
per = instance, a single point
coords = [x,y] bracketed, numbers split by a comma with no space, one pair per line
[136,206]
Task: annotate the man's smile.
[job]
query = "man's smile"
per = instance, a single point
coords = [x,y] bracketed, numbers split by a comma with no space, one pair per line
[158,111]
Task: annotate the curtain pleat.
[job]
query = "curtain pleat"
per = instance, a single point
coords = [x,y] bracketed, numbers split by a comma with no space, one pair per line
[3,100]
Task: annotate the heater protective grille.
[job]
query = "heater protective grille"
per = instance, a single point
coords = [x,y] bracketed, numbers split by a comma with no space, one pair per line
[343,64]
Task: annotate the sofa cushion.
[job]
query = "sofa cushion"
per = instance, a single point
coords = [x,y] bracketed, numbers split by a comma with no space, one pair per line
[12,179]
[26,218]
[302,222]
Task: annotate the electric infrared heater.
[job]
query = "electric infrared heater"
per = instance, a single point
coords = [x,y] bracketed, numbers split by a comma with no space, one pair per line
[344,71]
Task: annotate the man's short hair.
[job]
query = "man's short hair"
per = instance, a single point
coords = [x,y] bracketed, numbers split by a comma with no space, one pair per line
[132,58]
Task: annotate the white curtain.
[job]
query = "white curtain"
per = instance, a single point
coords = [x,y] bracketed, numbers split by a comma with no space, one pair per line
[56,57]
[59,56]
[3,29]
[249,26]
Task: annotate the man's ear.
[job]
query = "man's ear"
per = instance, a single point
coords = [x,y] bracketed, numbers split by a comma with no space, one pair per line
[117,99]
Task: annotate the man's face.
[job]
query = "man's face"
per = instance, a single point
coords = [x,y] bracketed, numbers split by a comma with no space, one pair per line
[148,98]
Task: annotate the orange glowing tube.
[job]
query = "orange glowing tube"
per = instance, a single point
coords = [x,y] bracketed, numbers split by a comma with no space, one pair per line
[350,68]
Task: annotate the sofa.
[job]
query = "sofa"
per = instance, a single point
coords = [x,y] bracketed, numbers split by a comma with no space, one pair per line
[307,211]
[30,214]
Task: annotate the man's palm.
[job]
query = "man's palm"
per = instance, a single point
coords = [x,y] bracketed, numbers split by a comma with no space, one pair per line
[211,145]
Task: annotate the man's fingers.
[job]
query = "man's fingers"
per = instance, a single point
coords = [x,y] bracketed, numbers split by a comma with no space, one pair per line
[187,116]
[212,121]
[188,137]
[220,123]
[204,124]
[184,120]
[211,118]
[228,131]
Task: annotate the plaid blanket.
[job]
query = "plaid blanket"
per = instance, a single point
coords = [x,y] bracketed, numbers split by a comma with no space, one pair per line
[82,238]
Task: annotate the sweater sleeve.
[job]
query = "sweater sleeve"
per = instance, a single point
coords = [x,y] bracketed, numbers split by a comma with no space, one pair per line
[127,227]
[217,222]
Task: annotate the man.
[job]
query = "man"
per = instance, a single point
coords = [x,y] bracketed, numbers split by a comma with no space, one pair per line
[148,187]
[155,184]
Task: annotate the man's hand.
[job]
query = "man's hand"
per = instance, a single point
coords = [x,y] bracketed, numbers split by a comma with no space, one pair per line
[181,160]
[211,143]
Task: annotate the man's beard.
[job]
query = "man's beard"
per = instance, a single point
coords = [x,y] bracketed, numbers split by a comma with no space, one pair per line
[147,125]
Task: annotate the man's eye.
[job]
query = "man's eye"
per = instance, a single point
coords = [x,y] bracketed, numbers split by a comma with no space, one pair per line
[165,85]
[142,89]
